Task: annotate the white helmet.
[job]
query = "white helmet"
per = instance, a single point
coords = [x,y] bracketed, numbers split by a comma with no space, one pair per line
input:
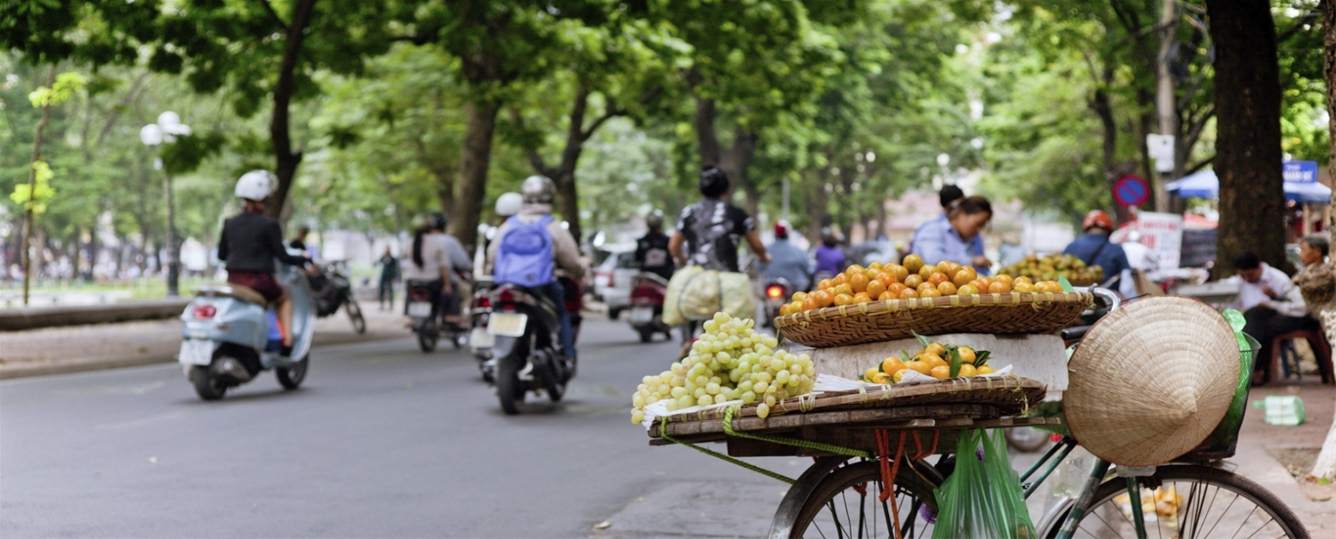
[255,185]
[538,190]
[508,204]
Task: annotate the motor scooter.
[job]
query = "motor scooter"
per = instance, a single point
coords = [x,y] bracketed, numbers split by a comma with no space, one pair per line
[647,295]
[333,290]
[231,334]
[526,347]
[480,341]
[776,292]
[425,320]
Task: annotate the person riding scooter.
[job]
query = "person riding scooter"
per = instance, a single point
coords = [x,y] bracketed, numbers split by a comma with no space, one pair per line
[652,249]
[438,258]
[513,263]
[250,243]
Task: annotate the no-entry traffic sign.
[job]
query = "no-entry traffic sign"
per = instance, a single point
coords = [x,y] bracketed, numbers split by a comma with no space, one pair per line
[1131,190]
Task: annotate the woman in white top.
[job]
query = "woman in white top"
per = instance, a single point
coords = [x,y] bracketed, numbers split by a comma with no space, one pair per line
[438,259]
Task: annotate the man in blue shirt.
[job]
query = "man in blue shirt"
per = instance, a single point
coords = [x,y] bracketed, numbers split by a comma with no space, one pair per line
[1094,248]
[787,261]
[947,196]
[957,237]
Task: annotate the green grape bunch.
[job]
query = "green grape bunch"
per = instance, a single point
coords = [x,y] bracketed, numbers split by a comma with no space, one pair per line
[729,362]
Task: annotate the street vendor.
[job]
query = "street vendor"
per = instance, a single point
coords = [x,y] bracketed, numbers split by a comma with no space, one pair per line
[1272,303]
[1094,248]
[958,238]
[947,197]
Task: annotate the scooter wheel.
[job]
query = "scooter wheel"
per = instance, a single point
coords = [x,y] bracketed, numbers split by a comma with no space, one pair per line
[427,341]
[291,377]
[206,386]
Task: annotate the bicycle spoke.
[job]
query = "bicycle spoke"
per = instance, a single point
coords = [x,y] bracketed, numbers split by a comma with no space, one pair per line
[1263,527]
[1095,513]
[1222,515]
[862,522]
[1245,519]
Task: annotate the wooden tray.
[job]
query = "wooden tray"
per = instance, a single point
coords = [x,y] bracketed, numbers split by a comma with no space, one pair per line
[1016,312]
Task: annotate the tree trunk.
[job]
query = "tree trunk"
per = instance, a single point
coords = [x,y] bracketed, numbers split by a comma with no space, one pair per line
[29,217]
[707,137]
[173,242]
[1248,155]
[737,161]
[475,157]
[286,160]
[1325,465]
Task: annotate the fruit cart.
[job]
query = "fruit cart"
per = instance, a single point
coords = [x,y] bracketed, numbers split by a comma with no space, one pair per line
[882,453]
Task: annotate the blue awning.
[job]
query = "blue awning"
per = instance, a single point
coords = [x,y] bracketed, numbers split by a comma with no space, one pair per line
[1205,184]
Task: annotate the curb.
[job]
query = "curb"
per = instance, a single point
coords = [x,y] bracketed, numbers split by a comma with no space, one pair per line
[75,366]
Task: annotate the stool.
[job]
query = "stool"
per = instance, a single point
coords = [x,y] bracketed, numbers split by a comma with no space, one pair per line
[1321,352]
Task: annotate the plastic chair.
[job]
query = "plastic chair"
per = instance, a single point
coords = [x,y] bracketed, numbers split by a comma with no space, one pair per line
[1281,346]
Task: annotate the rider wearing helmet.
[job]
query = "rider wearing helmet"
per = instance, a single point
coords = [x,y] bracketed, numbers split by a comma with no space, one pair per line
[787,261]
[708,231]
[250,243]
[531,245]
[1094,248]
[438,258]
[652,248]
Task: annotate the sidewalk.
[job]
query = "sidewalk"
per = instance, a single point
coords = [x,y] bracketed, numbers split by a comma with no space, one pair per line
[105,346]
[1260,444]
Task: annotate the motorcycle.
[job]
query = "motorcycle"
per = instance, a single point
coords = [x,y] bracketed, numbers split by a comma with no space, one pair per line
[334,290]
[526,348]
[425,320]
[777,292]
[480,341]
[231,335]
[647,295]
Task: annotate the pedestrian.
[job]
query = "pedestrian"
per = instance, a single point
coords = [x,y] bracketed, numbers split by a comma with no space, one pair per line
[389,275]
[959,237]
[946,196]
[1095,249]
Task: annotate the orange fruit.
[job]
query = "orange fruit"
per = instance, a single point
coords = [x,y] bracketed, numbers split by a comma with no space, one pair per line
[929,292]
[983,283]
[946,288]
[925,286]
[842,288]
[839,279]
[967,354]
[887,295]
[799,296]
[1022,279]
[913,281]
[967,290]
[874,288]
[811,303]
[964,276]
[1022,287]
[967,370]
[874,266]
[853,268]
[1003,277]
[912,263]
[824,284]
[892,365]
[862,297]
[886,279]
[919,366]
[823,298]
[937,278]
[858,282]
[898,271]
[999,287]
[908,293]
[843,299]
[926,271]
[941,372]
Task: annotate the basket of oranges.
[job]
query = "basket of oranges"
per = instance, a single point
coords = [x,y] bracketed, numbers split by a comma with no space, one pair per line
[895,301]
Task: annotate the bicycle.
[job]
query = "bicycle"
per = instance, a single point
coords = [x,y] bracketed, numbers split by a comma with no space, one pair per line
[1190,498]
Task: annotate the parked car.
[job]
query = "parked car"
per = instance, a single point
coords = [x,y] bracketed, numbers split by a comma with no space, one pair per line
[612,281]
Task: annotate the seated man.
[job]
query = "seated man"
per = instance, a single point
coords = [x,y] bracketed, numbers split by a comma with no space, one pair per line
[1272,306]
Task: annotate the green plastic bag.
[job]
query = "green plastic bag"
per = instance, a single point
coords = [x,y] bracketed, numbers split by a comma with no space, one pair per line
[982,498]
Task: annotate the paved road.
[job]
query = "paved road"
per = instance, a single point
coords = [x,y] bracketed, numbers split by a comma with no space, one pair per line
[383,441]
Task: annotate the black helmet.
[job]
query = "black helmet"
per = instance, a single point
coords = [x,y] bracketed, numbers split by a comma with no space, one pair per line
[437,221]
[654,220]
[713,182]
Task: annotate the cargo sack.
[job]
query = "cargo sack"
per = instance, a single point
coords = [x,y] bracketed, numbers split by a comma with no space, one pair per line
[982,497]
[695,293]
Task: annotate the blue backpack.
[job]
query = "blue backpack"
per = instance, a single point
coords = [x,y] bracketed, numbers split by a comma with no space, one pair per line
[525,257]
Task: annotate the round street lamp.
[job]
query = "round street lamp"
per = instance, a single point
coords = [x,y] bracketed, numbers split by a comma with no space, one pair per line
[154,135]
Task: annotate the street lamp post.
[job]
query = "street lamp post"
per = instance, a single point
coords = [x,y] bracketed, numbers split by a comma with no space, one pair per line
[153,135]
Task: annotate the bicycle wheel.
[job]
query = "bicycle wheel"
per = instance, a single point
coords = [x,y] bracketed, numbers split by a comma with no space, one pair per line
[1189,501]
[847,504]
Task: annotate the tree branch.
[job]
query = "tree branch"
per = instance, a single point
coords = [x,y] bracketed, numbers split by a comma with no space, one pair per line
[1198,165]
[1300,21]
[269,8]
[130,97]
[530,151]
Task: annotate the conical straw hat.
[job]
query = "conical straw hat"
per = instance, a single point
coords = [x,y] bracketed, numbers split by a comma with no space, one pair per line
[1151,380]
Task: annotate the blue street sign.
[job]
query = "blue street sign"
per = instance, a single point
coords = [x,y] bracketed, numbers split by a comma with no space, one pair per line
[1299,171]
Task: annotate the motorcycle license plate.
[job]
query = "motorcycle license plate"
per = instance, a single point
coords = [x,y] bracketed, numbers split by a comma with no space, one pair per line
[196,352]
[507,324]
[419,309]
[480,339]
[642,315]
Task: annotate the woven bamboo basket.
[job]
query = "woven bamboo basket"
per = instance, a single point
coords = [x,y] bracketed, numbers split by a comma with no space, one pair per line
[1016,312]
[999,396]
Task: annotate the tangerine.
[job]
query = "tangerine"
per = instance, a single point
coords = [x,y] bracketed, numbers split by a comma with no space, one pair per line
[843,299]
[858,282]
[875,288]
[912,263]
[947,288]
[999,287]
[862,297]
[908,293]
[964,276]
[913,281]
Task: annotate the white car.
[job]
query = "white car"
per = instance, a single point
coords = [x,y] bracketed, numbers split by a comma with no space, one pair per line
[612,281]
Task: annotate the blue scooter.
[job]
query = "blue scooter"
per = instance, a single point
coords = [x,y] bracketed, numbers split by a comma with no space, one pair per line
[231,335]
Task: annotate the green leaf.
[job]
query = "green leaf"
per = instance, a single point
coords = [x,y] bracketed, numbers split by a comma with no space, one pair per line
[1066,285]
[923,341]
[955,361]
[980,358]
